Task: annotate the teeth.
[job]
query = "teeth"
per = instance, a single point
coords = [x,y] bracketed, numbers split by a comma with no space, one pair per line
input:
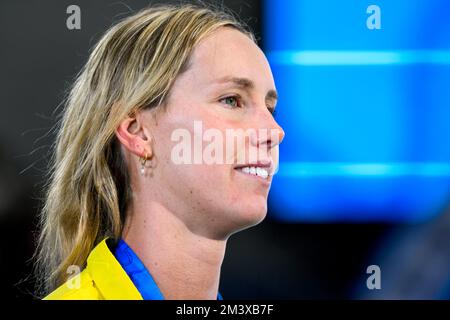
[257,171]
[262,172]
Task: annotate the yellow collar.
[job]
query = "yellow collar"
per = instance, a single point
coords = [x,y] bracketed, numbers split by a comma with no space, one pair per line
[109,276]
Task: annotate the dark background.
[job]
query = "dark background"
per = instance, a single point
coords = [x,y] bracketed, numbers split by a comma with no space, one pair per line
[39,58]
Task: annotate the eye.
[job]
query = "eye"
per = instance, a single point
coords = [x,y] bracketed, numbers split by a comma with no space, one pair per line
[232,101]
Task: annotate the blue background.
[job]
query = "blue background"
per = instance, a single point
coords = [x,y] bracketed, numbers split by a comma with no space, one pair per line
[366,112]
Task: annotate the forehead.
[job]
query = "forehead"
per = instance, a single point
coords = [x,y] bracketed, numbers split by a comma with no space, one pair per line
[230,53]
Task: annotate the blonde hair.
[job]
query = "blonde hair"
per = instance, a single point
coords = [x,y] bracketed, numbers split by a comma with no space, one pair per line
[132,67]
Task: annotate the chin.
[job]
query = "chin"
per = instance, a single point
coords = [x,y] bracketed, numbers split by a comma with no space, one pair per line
[250,214]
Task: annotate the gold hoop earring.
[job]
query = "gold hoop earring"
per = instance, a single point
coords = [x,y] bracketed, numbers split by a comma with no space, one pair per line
[143,160]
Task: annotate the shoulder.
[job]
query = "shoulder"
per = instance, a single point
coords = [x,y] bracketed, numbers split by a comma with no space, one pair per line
[80,287]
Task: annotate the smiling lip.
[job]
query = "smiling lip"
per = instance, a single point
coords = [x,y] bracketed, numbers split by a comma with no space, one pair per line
[267,165]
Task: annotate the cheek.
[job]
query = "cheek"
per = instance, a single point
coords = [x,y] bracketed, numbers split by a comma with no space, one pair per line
[213,180]
[205,184]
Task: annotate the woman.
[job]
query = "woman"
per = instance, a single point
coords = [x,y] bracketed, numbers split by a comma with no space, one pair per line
[120,206]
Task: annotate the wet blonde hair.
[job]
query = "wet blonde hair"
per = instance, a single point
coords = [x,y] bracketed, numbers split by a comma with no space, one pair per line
[132,67]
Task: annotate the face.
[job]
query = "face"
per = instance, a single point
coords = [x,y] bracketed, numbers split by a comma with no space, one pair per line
[227,89]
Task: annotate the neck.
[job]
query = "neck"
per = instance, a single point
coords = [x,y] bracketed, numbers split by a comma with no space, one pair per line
[183,264]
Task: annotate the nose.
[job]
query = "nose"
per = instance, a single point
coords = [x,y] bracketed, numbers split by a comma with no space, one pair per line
[269,132]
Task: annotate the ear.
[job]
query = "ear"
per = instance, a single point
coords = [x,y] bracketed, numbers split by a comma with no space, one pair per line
[134,136]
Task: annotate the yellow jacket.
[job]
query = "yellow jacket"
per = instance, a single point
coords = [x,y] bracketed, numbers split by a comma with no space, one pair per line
[103,278]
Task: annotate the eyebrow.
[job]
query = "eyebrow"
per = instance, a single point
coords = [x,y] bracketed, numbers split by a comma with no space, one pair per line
[248,84]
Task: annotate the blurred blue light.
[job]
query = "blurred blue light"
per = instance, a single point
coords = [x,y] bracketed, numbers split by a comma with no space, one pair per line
[312,58]
[427,169]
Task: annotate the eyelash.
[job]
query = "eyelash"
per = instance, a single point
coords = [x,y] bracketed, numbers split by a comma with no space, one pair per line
[238,100]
